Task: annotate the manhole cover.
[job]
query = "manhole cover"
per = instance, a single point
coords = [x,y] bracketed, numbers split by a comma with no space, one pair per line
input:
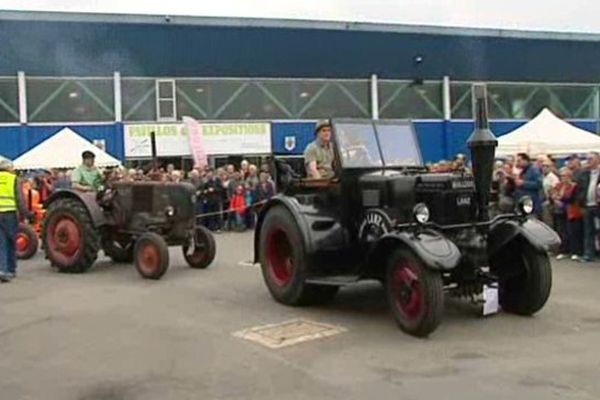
[288,333]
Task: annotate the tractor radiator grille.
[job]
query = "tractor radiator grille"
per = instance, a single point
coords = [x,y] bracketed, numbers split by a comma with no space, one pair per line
[143,199]
[371,198]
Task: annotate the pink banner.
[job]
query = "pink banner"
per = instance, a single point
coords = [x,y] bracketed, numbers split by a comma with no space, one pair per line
[194,130]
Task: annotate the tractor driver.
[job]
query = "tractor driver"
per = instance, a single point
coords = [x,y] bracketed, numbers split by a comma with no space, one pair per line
[86,177]
[318,156]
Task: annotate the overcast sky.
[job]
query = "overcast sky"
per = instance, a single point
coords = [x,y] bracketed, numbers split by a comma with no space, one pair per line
[549,15]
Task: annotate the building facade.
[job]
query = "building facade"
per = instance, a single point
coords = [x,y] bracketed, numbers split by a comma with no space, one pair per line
[99,74]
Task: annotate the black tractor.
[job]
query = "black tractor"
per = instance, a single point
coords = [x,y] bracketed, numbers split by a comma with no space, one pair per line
[385,217]
[130,222]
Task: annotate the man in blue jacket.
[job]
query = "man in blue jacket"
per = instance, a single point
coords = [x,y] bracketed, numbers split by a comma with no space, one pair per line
[529,182]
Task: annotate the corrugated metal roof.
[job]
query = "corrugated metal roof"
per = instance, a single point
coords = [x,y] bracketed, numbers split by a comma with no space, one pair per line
[289,23]
[59,44]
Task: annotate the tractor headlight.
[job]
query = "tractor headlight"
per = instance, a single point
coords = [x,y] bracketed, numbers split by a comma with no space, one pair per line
[525,205]
[421,213]
[170,211]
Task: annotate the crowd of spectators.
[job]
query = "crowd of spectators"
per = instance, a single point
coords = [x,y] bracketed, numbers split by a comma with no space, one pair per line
[457,164]
[565,196]
[229,195]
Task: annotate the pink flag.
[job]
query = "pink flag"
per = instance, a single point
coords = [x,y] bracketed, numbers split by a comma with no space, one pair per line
[194,130]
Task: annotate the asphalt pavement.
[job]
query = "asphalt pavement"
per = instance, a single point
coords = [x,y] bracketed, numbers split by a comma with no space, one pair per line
[110,335]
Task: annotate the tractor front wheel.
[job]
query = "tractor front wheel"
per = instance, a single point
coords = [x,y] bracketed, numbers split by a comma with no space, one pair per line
[26,242]
[151,256]
[415,294]
[202,251]
[70,240]
[283,262]
[525,287]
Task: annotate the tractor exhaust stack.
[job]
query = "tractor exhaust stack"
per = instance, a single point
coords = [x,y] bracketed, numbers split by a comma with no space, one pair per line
[482,144]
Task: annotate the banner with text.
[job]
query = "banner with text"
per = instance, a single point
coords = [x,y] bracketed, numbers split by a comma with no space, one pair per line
[172,140]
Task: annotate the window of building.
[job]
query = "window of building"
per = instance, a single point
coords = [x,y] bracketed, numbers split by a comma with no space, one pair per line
[66,100]
[138,99]
[272,98]
[461,100]
[9,100]
[406,99]
[165,100]
[332,99]
[524,101]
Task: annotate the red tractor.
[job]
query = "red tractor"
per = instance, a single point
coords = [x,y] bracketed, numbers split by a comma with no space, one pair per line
[27,239]
[129,221]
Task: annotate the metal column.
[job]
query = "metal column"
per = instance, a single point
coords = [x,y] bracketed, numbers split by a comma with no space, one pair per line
[22,97]
[374,97]
[117,93]
[446,100]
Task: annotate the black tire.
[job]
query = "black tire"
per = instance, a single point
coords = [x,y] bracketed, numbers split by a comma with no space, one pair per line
[72,219]
[283,262]
[117,252]
[205,249]
[527,289]
[151,256]
[414,292]
[27,242]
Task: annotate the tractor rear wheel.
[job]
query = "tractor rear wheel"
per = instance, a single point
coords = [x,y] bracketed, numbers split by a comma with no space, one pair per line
[26,242]
[203,251]
[415,294]
[118,252]
[151,256]
[283,262]
[70,240]
[526,289]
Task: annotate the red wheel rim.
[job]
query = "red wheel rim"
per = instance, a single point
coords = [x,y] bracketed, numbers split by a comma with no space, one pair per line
[148,258]
[280,257]
[408,291]
[64,239]
[22,242]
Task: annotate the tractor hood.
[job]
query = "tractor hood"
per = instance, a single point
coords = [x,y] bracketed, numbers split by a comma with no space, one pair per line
[449,197]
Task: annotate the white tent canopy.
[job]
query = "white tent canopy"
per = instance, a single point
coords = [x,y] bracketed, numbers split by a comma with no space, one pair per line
[62,150]
[547,134]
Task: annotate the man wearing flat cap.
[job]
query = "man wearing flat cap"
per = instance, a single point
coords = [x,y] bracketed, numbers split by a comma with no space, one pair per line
[86,177]
[318,156]
[11,201]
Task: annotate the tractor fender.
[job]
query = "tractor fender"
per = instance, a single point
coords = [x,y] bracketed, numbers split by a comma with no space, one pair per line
[88,199]
[319,230]
[434,249]
[538,234]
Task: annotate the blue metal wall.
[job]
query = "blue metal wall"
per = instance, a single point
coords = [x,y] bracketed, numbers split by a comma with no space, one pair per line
[85,48]
[16,140]
[438,139]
